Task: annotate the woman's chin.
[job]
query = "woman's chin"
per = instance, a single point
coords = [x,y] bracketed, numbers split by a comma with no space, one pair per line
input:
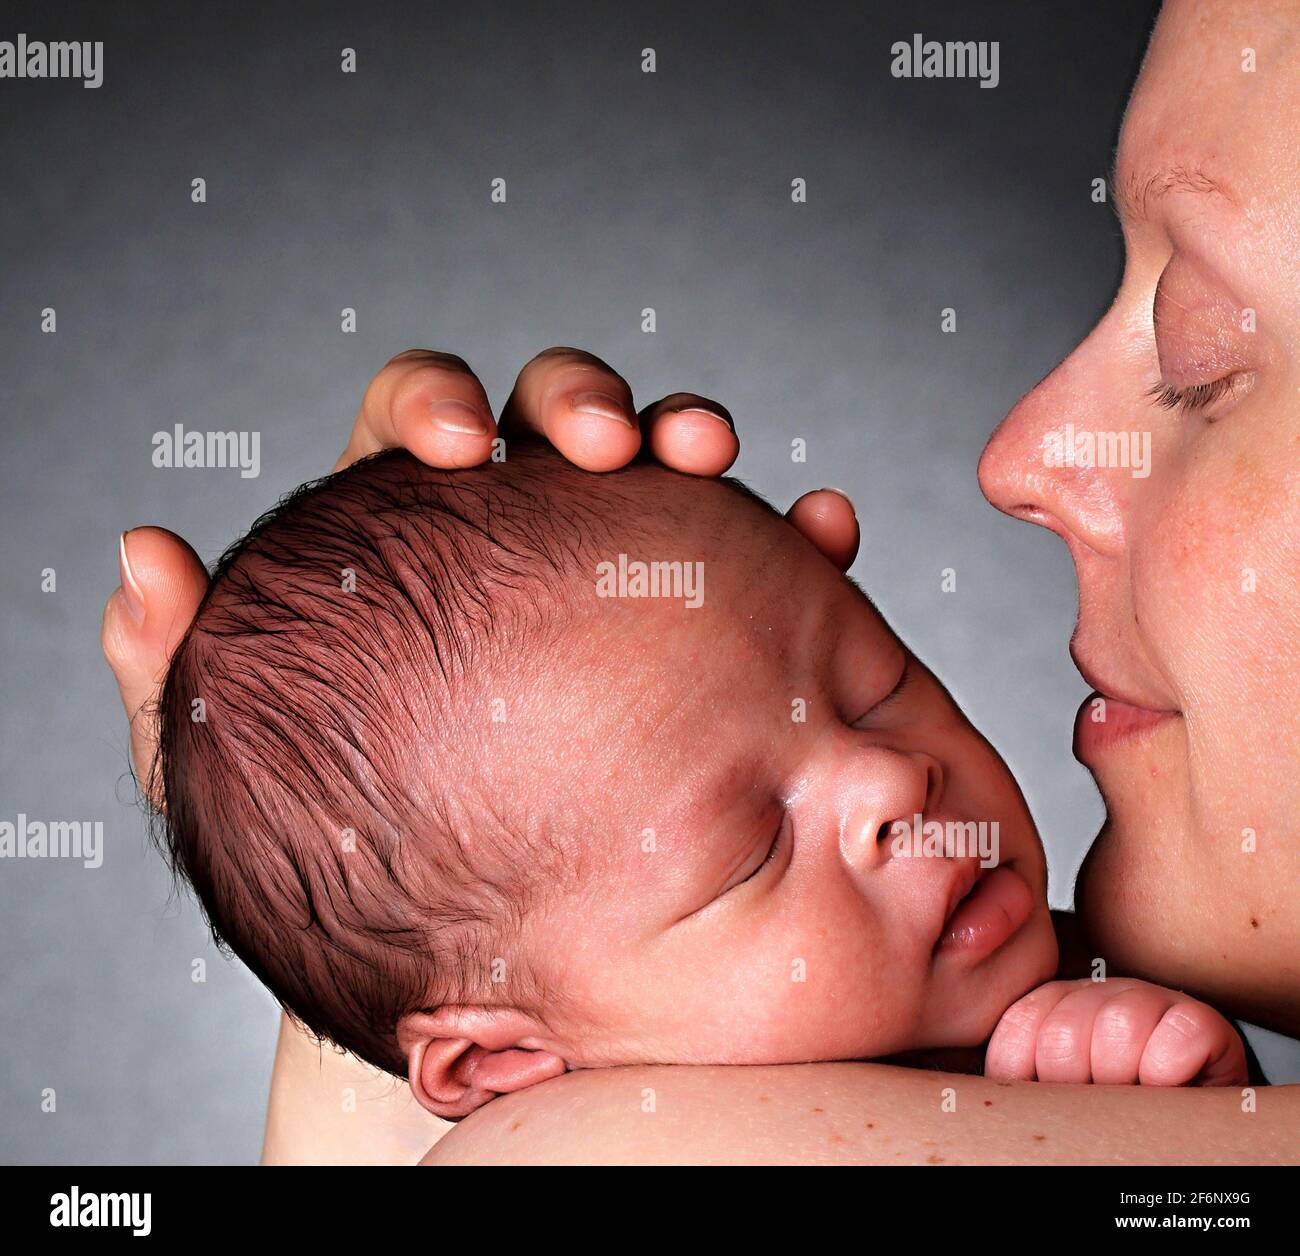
[1123,904]
[1142,911]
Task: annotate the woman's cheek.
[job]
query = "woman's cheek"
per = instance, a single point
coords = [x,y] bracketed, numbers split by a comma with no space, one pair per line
[1220,608]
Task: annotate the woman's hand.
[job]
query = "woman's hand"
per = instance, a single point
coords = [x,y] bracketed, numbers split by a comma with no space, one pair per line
[433,405]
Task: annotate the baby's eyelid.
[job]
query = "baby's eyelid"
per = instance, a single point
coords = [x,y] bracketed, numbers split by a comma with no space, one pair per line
[769,854]
[904,680]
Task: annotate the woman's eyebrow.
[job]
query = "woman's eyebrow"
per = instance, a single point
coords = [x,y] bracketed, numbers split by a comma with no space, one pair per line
[1133,194]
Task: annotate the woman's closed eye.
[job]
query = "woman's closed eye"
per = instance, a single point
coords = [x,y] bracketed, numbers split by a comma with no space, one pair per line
[1200,397]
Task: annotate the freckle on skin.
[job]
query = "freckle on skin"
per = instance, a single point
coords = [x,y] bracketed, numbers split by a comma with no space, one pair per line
[837,1138]
[871,1125]
[514,1125]
[1040,1138]
[764,1099]
[1254,924]
[988,1103]
[933,1159]
[819,1111]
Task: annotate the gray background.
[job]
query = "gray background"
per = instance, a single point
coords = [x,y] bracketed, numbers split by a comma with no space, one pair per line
[625,190]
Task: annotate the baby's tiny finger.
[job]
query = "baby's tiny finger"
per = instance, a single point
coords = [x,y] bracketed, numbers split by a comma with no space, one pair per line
[1193,1043]
[1012,1049]
[1120,1034]
[1064,1051]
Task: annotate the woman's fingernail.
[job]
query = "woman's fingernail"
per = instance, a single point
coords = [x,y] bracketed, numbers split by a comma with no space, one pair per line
[453,415]
[708,414]
[132,595]
[602,405]
[829,488]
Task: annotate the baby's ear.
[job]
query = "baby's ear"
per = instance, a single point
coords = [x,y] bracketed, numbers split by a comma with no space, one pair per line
[459,1059]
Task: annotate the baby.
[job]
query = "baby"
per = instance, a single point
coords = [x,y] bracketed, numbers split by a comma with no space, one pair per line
[492,773]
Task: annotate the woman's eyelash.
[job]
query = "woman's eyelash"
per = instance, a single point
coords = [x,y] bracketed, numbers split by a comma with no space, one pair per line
[1197,397]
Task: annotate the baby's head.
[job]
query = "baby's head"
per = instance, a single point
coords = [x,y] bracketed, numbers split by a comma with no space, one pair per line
[481,792]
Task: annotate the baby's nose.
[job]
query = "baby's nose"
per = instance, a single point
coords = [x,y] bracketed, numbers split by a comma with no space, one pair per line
[890,787]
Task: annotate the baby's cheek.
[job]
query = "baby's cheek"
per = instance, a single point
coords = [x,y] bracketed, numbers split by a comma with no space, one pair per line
[850,993]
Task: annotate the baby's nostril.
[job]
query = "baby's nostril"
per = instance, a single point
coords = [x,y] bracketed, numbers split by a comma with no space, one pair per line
[933,785]
[883,833]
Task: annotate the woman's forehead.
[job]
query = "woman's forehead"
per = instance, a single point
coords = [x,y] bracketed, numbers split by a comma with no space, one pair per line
[1219,85]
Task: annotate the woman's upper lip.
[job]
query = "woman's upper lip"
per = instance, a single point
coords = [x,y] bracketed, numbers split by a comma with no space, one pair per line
[1116,693]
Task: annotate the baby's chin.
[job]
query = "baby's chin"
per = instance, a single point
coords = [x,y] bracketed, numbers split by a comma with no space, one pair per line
[968,1002]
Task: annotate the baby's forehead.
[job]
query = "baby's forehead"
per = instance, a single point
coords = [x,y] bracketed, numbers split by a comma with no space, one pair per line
[656,661]
[738,586]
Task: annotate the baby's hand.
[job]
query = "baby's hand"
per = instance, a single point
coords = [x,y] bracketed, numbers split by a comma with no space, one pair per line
[1116,1032]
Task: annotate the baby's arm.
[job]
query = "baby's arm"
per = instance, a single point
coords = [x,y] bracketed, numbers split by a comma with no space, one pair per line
[1115,1032]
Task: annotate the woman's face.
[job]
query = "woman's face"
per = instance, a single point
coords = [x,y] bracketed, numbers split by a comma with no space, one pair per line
[1165,451]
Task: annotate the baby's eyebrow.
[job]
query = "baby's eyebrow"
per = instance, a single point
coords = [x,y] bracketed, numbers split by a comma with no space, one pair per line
[1133,195]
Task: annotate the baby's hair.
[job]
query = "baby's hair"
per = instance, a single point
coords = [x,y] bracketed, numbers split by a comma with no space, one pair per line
[321,722]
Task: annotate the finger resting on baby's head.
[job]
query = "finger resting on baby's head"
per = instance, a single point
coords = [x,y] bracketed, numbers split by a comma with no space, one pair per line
[691,436]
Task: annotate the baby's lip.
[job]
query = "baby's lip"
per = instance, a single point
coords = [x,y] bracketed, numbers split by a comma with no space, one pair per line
[992,914]
[967,875]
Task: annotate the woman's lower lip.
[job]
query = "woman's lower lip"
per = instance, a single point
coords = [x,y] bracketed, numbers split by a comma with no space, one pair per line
[993,911]
[1103,722]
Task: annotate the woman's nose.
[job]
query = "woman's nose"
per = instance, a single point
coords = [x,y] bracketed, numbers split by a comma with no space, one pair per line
[884,787]
[1042,463]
